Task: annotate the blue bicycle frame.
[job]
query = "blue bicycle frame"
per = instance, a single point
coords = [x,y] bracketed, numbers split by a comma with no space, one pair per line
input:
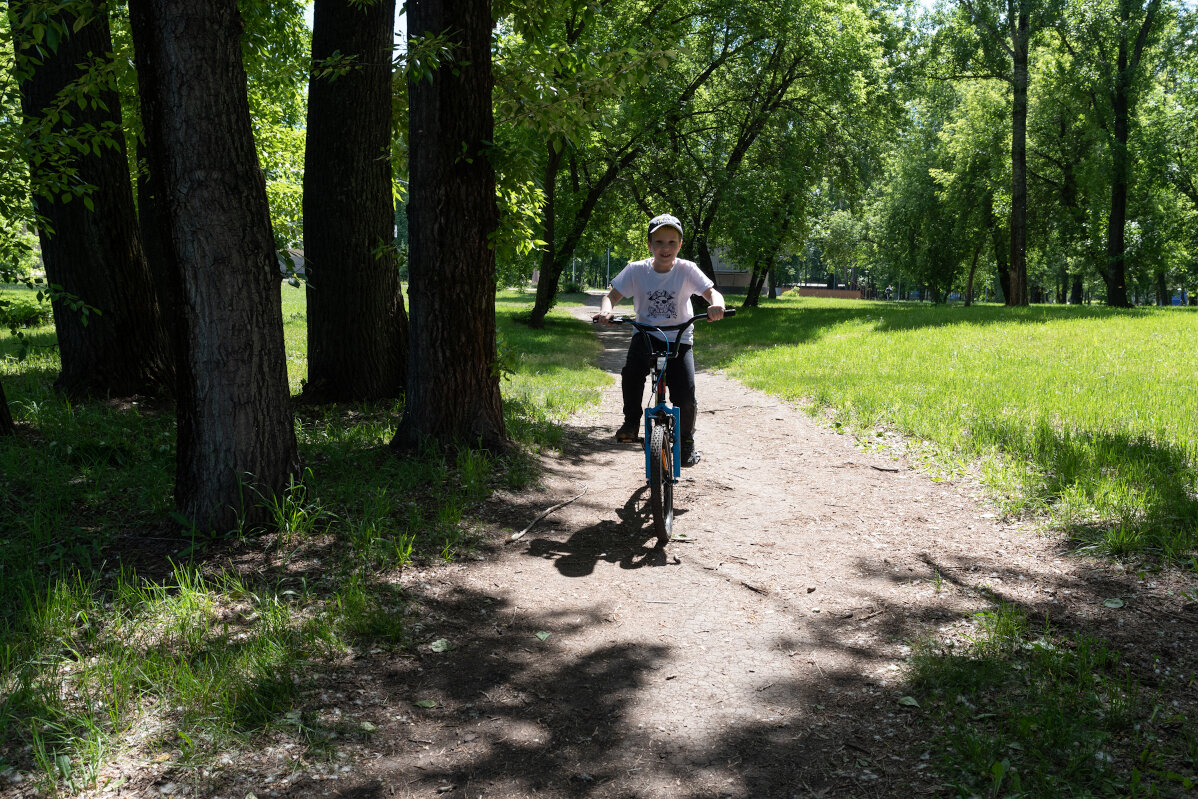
[663,407]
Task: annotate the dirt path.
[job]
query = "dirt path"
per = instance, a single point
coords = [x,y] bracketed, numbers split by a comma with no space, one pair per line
[763,657]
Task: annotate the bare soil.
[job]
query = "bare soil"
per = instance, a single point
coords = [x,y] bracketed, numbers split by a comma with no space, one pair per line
[763,655]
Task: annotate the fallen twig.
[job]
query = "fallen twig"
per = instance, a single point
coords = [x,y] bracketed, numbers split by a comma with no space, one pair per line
[519,535]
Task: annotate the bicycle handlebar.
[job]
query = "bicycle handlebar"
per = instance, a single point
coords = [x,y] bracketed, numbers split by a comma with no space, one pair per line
[628,320]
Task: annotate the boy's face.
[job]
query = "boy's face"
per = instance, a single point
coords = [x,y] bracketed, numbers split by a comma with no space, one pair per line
[664,244]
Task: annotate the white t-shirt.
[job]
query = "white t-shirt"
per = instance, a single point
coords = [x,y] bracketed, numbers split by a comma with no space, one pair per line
[663,298]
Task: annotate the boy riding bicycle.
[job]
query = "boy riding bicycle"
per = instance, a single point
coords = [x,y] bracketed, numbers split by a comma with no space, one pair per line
[661,289]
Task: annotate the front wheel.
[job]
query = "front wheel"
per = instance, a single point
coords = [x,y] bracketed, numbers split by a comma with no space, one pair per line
[661,482]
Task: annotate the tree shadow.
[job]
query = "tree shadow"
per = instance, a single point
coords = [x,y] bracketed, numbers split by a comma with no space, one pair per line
[1142,494]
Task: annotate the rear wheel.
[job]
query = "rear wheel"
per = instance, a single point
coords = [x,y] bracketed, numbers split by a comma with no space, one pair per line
[661,482]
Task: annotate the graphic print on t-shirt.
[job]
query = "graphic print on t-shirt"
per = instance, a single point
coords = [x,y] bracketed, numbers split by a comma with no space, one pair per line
[661,304]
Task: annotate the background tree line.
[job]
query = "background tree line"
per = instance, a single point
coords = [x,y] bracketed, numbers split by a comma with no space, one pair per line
[158,157]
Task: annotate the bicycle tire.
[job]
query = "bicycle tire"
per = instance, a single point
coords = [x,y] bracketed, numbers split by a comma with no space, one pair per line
[661,482]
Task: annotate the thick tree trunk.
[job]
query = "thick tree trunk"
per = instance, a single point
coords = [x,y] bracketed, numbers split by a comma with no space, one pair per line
[453,386]
[236,441]
[703,247]
[357,325]
[973,268]
[1020,41]
[93,253]
[1163,297]
[7,428]
[753,292]
[1116,270]
[551,270]
[1075,292]
[1127,64]
[1001,251]
[155,239]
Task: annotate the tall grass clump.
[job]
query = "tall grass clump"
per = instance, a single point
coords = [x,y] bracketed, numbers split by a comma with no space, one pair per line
[1085,413]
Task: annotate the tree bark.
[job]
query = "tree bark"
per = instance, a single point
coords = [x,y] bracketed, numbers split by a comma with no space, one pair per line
[756,279]
[1001,251]
[1116,280]
[93,253]
[453,385]
[551,269]
[357,324]
[973,268]
[155,239]
[1162,289]
[1020,42]
[7,428]
[1075,291]
[1127,63]
[236,441]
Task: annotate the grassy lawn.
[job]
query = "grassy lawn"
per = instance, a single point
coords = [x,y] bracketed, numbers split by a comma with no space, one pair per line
[1088,415]
[205,653]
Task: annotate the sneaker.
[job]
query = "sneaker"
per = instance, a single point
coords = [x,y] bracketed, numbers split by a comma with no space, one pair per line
[690,455]
[629,433]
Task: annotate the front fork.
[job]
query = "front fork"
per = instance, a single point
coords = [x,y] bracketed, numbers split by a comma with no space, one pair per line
[661,408]
[672,426]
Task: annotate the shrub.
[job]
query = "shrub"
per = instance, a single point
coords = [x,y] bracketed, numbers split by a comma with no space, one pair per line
[23,311]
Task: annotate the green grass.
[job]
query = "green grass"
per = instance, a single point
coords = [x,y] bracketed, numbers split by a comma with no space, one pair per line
[205,655]
[1088,415]
[1021,711]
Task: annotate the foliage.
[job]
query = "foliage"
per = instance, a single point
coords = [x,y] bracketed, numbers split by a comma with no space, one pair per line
[24,308]
[277,47]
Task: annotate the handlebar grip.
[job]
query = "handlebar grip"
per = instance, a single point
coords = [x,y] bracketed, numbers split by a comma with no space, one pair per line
[729,312]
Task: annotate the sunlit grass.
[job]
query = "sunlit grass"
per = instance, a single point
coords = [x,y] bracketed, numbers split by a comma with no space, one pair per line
[549,371]
[1088,414]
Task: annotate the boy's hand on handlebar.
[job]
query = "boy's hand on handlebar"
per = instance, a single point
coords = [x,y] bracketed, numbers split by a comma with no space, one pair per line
[715,313]
[602,318]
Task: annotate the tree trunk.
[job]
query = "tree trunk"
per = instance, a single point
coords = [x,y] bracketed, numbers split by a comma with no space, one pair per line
[973,268]
[1075,292]
[7,428]
[236,441]
[453,385]
[1000,251]
[1127,64]
[357,325]
[1116,279]
[155,240]
[756,279]
[1162,289]
[1020,41]
[552,267]
[551,270]
[90,244]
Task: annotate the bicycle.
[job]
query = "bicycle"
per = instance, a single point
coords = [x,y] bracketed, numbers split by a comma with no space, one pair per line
[663,445]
